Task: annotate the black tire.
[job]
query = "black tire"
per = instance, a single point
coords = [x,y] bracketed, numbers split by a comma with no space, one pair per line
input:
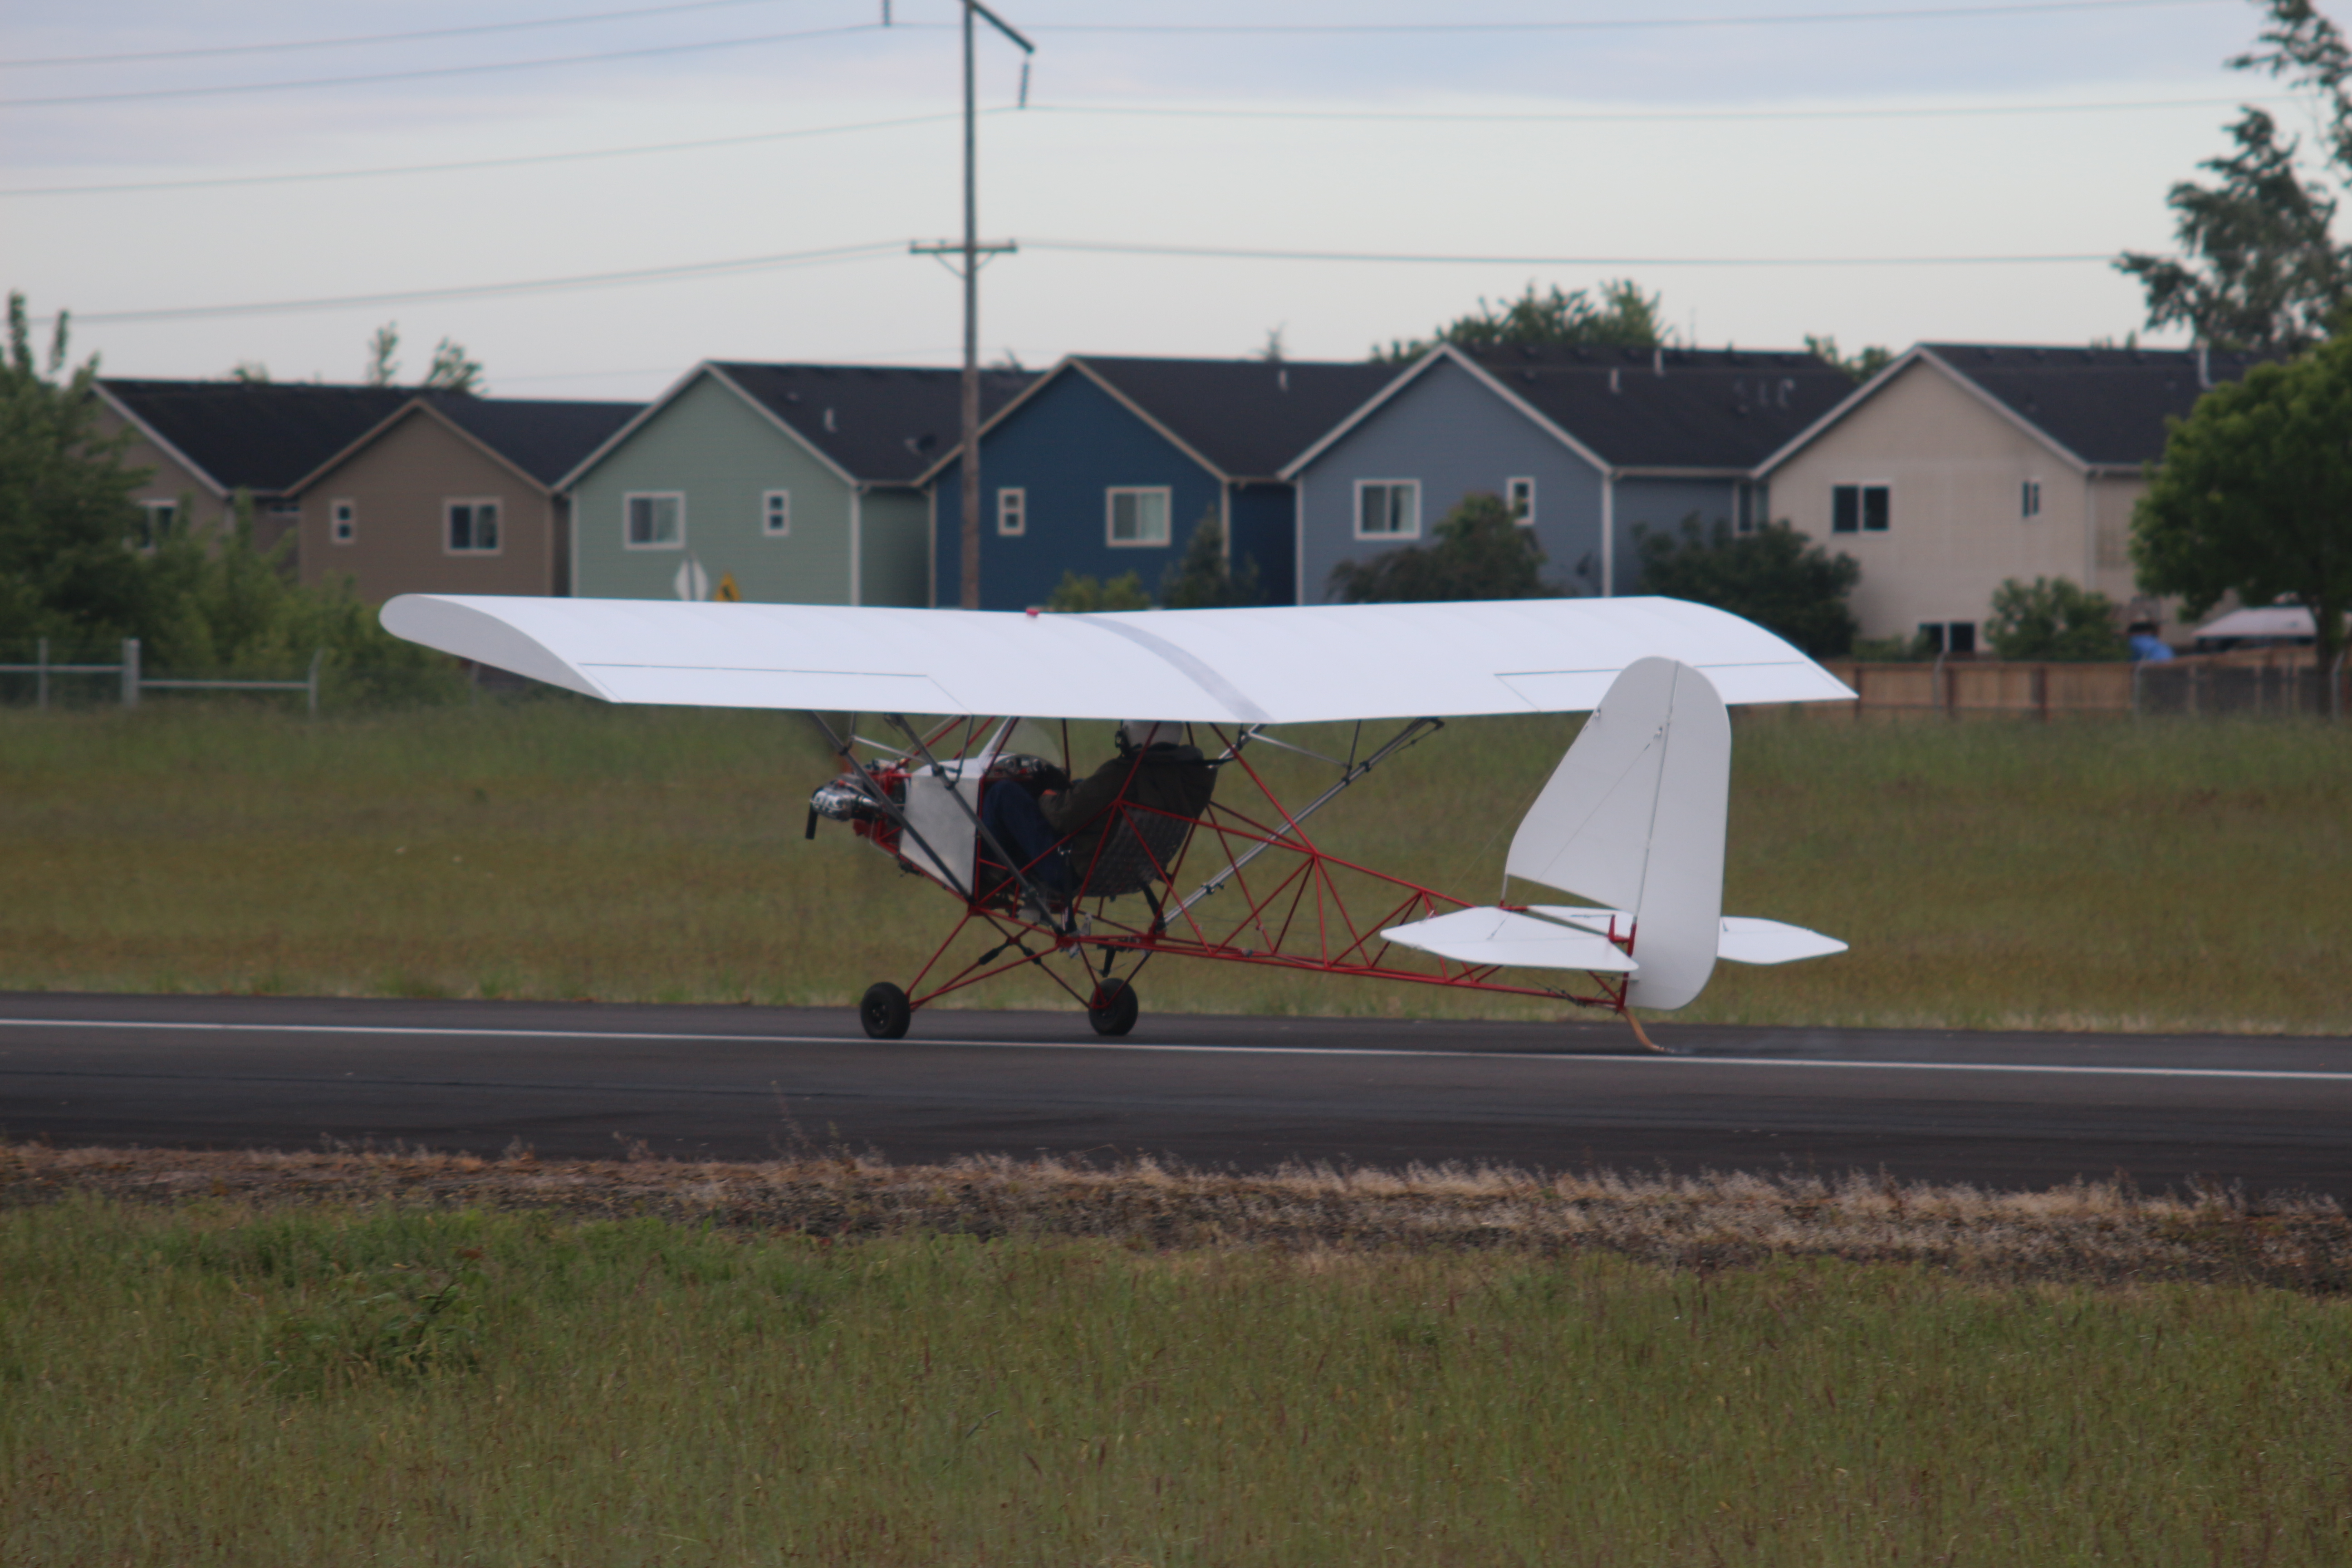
[885,1012]
[1115,1009]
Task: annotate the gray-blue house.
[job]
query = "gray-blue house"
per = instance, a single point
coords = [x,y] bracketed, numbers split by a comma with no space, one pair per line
[1106,466]
[1586,444]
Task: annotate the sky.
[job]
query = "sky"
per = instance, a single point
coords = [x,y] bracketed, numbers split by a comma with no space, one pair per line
[1770,168]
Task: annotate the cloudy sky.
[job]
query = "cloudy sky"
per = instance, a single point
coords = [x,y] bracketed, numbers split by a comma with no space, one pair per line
[1771,168]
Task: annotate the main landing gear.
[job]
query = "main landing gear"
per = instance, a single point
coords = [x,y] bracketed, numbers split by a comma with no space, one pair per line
[1114,1008]
[884,1012]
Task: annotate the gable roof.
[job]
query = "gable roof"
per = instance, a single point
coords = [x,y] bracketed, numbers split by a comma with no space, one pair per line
[1240,419]
[259,435]
[1725,409]
[2105,407]
[881,424]
[539,439]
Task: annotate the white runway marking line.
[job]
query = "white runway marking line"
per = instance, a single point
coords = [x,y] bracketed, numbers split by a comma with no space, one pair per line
[2058,1070]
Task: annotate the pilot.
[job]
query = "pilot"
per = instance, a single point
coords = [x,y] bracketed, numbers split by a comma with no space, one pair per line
[1055,835]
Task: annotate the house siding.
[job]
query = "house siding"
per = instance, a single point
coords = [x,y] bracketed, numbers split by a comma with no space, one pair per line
[722,454]
[1265,530]
[1067,447]
[399,484]
[168,478]
[1451,432]
[894,540]
[1956,469]
[1659,506]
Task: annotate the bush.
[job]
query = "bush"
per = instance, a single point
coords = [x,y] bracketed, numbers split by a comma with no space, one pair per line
[1771,576]
[1205,579]
[2051,618]
[1124,591]
[1480,552]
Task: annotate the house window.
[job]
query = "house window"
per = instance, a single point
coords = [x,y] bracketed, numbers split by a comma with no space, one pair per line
[1747,508]
[473,526]
[343,521]
[1012,511]
[1388,509]
[1860,509]
[157,520]
[776,513]
[654,521]
[1521,494]
[1948,636]
[1138,516]
[2029,498]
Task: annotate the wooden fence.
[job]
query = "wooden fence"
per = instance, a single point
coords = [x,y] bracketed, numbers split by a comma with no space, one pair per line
[2263,681]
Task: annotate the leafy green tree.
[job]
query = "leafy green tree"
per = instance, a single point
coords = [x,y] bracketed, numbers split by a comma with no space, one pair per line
[383,351]
[2262,271]
[1204,579]
[2052,618]
[250,372]
[1863,365]
[2254,495]
[65,512]
[1773,576]
[1624,317]
[1124,591]
[1480,552]
[452,371]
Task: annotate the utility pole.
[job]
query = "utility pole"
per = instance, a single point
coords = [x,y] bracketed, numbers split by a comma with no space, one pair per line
[971,250]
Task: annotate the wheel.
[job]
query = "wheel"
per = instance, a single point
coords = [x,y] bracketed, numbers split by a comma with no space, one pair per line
[1115,1009]
[884,1012]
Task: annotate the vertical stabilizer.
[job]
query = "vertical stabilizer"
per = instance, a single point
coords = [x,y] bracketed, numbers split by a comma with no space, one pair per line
[1633,818]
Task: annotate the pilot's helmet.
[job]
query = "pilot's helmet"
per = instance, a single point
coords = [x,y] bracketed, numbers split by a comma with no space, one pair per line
[1137,733]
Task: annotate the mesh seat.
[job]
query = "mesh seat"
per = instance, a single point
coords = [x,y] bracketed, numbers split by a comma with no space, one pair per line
[1136,852]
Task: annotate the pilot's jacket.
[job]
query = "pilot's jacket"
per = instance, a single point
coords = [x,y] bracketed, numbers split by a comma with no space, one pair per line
[1163,778]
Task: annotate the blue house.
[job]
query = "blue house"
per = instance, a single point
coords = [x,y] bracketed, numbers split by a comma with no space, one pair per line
[1587,445]
[1106,466]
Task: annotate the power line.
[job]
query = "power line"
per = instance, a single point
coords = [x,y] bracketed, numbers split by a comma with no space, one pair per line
[528,286]
[1790,19]
[1101,247]
[519,161]
[646,52]
[216,50]
[1499,117]
[1205,252]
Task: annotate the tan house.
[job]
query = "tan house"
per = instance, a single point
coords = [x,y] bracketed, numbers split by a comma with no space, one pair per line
[1960,465]
[203,441]
[452,494]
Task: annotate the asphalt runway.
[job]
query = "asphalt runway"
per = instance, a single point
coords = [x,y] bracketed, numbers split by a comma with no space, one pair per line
[585,1079]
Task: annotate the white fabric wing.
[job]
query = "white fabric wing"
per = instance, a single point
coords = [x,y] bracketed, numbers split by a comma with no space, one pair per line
[1286,665]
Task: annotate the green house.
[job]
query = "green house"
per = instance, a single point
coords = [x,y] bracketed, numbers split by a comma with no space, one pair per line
[797,482]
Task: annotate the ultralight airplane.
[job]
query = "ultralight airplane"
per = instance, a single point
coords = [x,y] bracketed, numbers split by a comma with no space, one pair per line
[1633,817]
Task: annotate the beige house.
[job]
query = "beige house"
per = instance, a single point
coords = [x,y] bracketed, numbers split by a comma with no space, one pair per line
[203,441]
[451,494]
[1960,465]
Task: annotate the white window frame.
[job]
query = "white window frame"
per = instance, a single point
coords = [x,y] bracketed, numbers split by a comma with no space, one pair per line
[1519,495]
[1012,510]
[342,520]
[774,505]
[1862,489]
[1111,516]
[2029,500]
[150,535]
[498,509]
[628,502]
[1411,525]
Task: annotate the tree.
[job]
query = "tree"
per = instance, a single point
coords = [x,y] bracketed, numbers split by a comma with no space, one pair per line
[382,364]
[1205,579]
[251,372]
[452,371]
[1865,363]
[2262,272]
[2254,495]
[1480,552]
[1124,591]
[1769,576]
[1624,318]
[2052,618]
[65,512]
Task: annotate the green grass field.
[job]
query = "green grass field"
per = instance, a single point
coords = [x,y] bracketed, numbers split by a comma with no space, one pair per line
[218,1384]
[2081,874]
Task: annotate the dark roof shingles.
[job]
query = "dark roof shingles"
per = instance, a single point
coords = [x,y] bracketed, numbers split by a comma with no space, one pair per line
[2108,407]
[1672,408]
[883,425]
[258,436]
[1249,418]
[543,438]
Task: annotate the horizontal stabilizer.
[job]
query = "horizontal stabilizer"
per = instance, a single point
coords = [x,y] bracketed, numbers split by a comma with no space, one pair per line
[1750,941]
[1490,935]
